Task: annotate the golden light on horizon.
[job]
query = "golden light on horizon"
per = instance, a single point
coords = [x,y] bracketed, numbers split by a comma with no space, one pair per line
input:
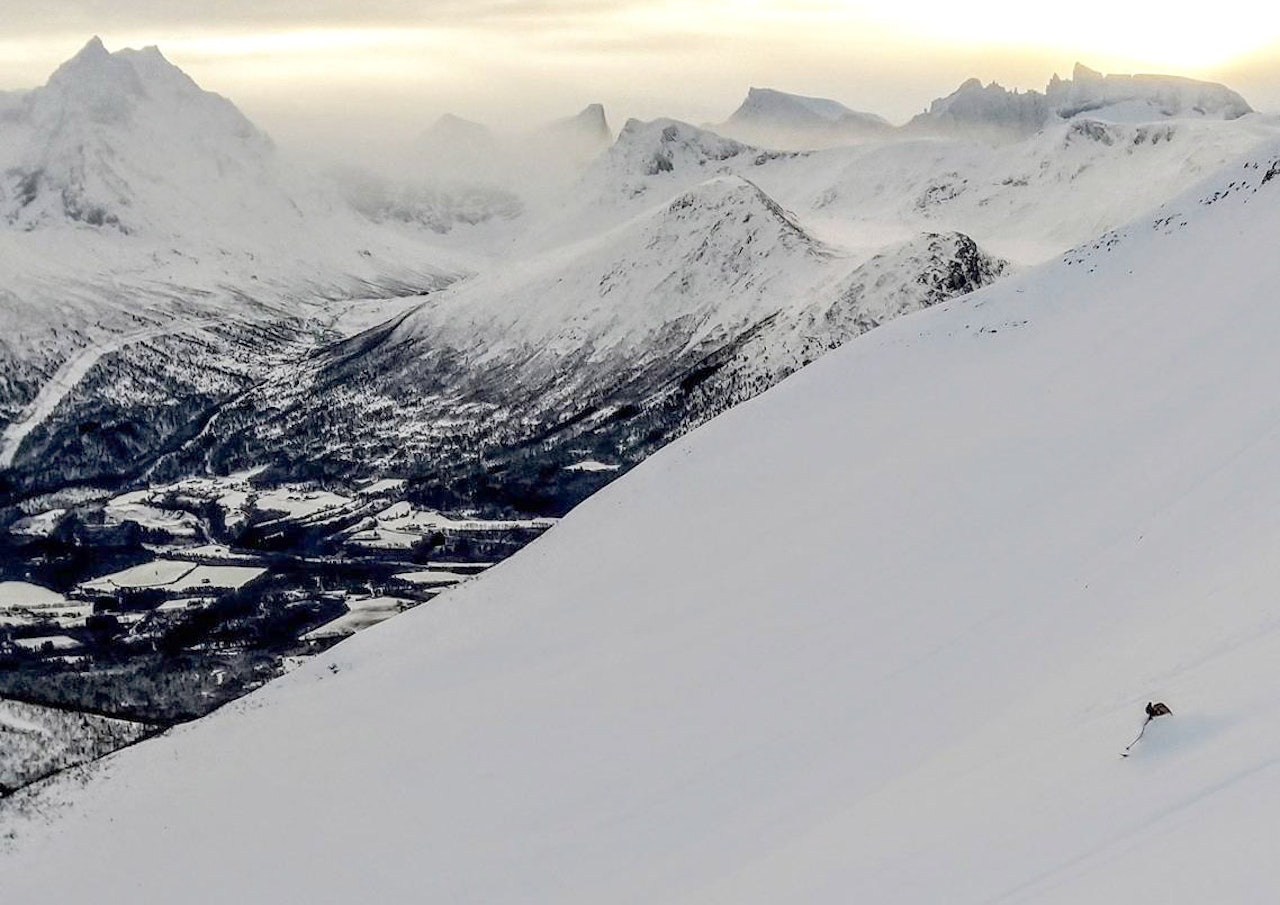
[686,58]
[1133,35]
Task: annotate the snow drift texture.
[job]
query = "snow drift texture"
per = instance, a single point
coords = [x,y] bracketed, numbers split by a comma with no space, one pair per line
[877,636]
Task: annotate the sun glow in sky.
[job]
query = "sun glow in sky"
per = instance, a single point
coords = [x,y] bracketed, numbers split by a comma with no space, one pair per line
[294,63]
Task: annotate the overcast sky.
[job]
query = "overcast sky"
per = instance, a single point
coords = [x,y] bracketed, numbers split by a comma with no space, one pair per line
[352,70]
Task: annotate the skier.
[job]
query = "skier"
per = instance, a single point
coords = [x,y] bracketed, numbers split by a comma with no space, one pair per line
[1154,709]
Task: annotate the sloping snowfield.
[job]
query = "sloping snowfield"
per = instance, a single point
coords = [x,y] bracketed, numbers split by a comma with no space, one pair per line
[877,636]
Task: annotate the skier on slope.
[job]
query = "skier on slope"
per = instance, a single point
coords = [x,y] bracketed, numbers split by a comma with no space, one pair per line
[1154,709]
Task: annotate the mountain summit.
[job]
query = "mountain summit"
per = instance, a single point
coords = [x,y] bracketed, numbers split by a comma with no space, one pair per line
[777,119]
[994,109]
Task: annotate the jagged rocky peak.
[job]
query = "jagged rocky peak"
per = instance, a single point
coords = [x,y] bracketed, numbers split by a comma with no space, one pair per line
[590,123]
[663,145]
[112,138]
[452,127]
[722,193]
[777,119]
[108,85]
[1152,96]
[1123,98]
[992,107]
[768,105]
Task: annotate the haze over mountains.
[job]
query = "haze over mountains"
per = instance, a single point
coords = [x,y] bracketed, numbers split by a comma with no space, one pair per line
[941,448]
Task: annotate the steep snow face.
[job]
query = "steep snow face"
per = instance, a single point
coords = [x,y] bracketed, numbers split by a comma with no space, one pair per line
[615,344]
[992,108]
[777,119]
[879,635]
[994,111]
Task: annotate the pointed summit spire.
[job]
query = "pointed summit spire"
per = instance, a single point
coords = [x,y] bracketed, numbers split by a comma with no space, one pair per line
[93,49]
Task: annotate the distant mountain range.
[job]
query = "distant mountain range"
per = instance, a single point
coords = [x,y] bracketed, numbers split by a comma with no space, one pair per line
[777,119]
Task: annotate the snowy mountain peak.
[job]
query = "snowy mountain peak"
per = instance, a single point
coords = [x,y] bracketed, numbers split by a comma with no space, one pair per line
[118,139]
[771,103]
[1142,97]
[98,80]
[94,52]
[97,75]
[593,117]
[664,145]
[1082,73]
[1117,98]
[778,119]
[452,126]
[588,128]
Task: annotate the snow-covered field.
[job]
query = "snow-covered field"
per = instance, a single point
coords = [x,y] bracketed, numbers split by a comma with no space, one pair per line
[175,576]
[24,595]
[879,635]
[401,525]
[363,613]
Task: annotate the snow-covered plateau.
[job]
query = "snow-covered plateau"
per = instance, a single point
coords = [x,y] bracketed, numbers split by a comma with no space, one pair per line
[879,634]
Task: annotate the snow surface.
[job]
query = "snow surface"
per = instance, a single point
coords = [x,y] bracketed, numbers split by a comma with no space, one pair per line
[363,613]
[24,595]
[54,642]
[176,576]
[591,465]
[911,604]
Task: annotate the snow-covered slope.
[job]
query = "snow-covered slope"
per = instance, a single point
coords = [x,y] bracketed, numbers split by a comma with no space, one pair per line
[777,119]
[877,636]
